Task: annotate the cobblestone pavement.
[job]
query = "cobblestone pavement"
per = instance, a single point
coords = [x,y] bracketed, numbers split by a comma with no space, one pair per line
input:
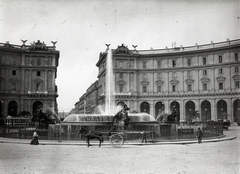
[213,157]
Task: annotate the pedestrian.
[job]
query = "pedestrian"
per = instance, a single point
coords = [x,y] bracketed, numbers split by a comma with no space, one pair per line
[35,138]
[199,135]
[144,137]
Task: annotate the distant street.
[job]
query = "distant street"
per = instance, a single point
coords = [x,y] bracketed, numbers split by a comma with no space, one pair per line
[214,157]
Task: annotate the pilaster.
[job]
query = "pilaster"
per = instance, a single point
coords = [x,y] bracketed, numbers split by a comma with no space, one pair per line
[230,109]
[213,109]
[45,80]
[182,112]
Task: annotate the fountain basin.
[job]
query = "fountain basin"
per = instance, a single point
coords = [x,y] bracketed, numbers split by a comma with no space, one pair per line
[138,117]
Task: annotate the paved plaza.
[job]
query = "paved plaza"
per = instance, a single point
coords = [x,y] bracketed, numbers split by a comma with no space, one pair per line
[221,157]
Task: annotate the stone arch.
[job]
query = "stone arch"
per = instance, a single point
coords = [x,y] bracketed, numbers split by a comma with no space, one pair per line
[159,109]
[37,105]
[175,105]
[145,107]
[189,111]
[121,103]
[12,108]
[236,110]
[221,109]
[205,110]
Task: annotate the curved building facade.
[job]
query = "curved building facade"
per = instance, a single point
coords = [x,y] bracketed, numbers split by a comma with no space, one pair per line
[202,79]
[27,77]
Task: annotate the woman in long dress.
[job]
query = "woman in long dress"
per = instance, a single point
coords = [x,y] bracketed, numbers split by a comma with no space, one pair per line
[35,138]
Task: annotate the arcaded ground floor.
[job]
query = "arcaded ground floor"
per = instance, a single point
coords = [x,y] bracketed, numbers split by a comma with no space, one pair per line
[207,107]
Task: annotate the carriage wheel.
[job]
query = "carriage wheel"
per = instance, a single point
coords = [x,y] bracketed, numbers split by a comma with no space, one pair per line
[116,140]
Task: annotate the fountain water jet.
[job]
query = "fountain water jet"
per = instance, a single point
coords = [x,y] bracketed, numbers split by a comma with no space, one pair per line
[110,85]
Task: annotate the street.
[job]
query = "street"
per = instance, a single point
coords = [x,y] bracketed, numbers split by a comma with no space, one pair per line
[212,157]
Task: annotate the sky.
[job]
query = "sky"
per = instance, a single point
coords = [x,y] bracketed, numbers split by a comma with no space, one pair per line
[82,28]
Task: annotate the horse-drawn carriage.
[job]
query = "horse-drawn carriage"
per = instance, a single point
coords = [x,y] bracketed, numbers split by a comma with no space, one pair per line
[225,123]
[117,134]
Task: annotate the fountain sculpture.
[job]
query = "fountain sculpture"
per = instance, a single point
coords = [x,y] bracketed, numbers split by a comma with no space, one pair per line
[69,128]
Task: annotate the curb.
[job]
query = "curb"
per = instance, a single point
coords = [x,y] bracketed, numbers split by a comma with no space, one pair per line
[83,143]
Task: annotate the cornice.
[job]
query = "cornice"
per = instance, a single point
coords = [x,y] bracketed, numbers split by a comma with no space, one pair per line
[28,95]
[179,95]
[178,68]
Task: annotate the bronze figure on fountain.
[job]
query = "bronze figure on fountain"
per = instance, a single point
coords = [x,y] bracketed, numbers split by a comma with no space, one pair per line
[121,119]
[172,117]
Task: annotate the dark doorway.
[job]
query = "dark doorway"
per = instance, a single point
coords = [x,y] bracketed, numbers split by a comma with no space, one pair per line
[221,109]
[12,108]
[190,111]
[206,110]
[175,105]
[236,110]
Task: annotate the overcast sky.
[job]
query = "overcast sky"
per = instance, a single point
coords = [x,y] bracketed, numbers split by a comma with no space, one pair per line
[83,27]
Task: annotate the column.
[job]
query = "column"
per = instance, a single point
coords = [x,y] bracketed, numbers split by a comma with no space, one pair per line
[230,109]
[22,87]
[136,82]
[214,84]
[45,80]
[30,81]
[167,83]
[152,108]
[167,107]
[29,106]
[183,82]
[213,109]
[129,81]
[182,116]
[198,106]
[230,79]
[53,81]
[153,83]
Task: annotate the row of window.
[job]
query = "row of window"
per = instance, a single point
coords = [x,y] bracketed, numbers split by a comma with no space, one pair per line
[174,62]
[14,86]
[39,61]
[14,73]
[30,61]
[189,61]
[220,71]
[174,87]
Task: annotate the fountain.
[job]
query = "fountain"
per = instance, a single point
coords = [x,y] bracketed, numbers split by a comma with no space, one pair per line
[69,128]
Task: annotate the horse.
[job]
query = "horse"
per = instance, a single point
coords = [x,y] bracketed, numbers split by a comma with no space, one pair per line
[91,135]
